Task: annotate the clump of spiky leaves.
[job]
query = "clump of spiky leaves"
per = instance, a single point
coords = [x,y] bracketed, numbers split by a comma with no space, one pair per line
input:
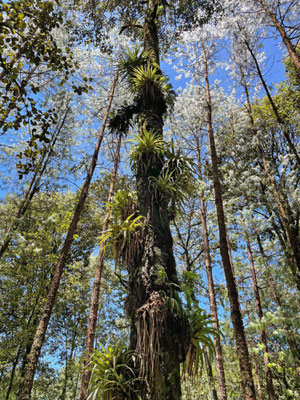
[131,59]
[152,86]
[124,226]
[122,118]
[176,180]
[147,86]
[148,147]
[201,336]
[181,165]
[124,204]
[113,377]
[164,185]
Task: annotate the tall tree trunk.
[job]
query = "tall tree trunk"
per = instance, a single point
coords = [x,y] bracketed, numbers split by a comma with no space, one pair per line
[269,379]
[274,108]
[256,370]
[67,364]
[12,374]
[147,292]
[286,40]
[236,316]
[213,393]
[211,289]
[26,386]
[86,373]
[292,342]
[286,214]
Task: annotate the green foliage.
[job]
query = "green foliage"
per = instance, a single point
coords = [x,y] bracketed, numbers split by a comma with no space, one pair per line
[147,85]
[113,377]
[124,202]
[123,227]
[175,307]
[175,181]
[120,233]
[130,60]
[164,185]
[122,119]
[148,147]
[148,81]
[201,336]
[30,53]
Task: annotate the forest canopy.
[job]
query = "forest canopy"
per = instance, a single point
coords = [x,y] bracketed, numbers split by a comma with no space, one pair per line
[149,209]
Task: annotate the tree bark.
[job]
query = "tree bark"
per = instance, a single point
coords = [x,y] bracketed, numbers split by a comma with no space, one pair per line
[256,370]
[92,321]
[26,387]
[213,393]
[269,378]
[236,316]
[147,291]
[211,289]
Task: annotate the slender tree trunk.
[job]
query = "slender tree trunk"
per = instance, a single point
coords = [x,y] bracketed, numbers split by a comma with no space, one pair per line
[86,374]
[286,214]
[31,190]
[236,316]
[292,342]
[274,108]
[26,387]
[293,249]
[256,370]
[269,379]
[213,393]
[286,40]
[211,289]
[12,374]
[67,364]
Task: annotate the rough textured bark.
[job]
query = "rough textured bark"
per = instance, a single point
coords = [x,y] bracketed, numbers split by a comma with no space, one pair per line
[269,379]
[236,316]
[147,291]
[286,40]
[211,289]
[26,386]
[86,374]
